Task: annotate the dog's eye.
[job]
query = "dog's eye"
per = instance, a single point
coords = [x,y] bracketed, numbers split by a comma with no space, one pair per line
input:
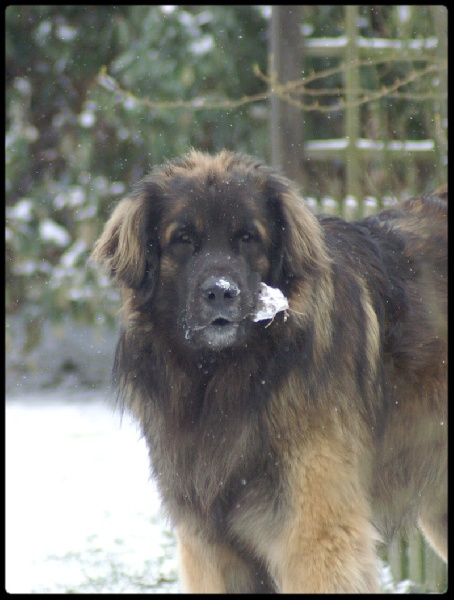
[183,238]
[246,236]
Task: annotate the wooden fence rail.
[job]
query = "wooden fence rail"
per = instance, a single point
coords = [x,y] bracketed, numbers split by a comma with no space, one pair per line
[356,152]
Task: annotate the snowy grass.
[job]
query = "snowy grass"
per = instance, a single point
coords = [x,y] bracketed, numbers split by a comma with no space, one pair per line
[81,514]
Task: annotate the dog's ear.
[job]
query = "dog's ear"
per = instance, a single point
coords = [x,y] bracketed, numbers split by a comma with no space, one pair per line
[127,248]
[299,244]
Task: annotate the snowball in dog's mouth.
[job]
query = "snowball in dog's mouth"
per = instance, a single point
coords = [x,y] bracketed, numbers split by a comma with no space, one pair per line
[270,302]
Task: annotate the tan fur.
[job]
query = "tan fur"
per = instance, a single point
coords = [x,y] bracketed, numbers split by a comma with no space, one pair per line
[205,568]
[328,544]
[119,247]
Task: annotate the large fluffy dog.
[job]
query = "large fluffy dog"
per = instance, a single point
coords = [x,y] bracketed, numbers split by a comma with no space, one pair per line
[285,443]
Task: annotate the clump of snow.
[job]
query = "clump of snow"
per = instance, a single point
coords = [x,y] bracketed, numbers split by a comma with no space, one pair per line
[21,211]
[71,197]
[73,254]
[50,231]
[223,283]
[270,302]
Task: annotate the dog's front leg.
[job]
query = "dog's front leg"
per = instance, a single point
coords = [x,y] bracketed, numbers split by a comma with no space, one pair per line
[206,567]
[327,544]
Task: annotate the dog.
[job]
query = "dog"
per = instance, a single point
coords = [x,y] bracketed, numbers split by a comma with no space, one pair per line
[288,371]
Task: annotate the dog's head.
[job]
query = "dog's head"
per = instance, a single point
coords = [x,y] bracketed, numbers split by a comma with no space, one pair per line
[196,238]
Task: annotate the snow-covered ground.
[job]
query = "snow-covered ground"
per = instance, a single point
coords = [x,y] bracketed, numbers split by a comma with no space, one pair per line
[81,513]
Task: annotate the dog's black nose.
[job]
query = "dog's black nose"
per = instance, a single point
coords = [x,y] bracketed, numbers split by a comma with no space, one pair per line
[219,291]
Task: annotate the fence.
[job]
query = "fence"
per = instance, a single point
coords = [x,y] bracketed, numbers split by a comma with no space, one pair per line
[357,152]
[415,561]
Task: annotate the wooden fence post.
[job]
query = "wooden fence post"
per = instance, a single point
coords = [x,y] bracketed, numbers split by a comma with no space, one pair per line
[352,113]
[286,120]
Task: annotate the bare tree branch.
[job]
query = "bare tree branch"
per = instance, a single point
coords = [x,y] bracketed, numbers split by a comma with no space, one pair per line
[288,92]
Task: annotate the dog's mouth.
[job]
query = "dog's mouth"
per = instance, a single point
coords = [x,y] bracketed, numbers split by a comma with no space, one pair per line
[217,334]
[221,322]
[221,330]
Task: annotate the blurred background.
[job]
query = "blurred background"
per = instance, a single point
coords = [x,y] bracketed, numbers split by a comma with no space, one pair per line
[349,101]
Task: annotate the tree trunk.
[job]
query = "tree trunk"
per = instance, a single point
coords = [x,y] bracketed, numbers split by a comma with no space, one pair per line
[285,60]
